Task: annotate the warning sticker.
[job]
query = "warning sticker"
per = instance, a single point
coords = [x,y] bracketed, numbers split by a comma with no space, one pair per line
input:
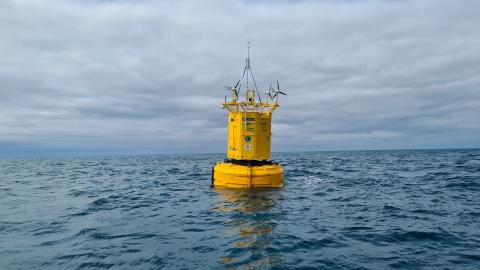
[248,146]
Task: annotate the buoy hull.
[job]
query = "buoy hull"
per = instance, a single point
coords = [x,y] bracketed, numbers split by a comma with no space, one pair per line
[231,175]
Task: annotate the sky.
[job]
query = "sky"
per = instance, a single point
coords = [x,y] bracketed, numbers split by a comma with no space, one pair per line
[134,77]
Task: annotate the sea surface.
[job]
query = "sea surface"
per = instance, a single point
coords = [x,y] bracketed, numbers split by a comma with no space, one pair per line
[408,209]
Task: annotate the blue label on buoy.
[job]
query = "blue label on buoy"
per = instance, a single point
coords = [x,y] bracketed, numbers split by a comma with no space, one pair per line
[247,139]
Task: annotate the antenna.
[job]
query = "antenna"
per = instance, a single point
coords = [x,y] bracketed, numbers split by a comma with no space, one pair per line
[251,72]
[248,54]
[247,64]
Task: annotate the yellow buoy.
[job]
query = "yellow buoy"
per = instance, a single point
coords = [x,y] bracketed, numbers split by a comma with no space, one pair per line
[249,135]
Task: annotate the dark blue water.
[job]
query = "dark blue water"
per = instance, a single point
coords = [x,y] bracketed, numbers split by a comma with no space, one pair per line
[338,210]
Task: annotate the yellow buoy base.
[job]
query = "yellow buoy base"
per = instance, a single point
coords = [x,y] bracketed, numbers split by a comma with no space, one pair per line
[231,175]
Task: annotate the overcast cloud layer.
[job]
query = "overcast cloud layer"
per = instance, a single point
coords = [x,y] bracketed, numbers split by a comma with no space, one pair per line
[148,76]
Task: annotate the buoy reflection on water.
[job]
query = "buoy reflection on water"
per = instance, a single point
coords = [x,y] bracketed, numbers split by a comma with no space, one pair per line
[251,226]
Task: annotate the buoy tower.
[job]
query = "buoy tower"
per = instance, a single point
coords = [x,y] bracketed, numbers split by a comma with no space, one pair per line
[249,134]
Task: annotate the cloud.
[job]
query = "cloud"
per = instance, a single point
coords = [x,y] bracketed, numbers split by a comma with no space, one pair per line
[148,76]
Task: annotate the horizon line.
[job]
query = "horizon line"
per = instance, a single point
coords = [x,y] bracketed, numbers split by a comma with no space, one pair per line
[79,154]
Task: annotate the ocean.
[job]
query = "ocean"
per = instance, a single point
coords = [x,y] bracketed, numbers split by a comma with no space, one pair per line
[403,209]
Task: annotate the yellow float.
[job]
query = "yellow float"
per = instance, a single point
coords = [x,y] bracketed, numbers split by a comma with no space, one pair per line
[249,134]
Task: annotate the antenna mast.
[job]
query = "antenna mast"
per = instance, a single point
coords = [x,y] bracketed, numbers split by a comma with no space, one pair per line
[248,62]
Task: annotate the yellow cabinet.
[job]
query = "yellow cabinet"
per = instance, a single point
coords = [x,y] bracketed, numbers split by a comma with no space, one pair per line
[249,135]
